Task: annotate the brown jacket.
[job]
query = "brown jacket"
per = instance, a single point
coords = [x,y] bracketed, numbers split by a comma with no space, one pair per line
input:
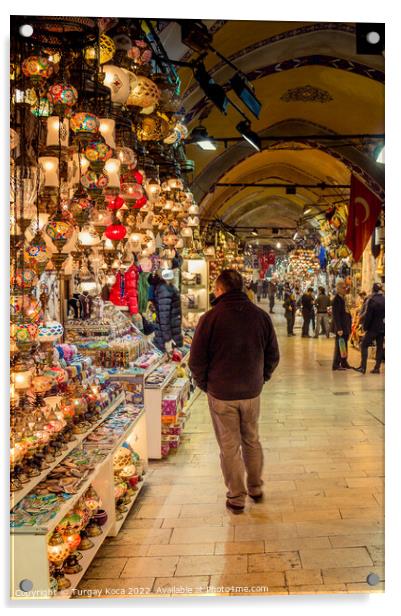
[234,349]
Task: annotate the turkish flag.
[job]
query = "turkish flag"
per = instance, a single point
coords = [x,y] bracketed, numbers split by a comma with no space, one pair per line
[363,212]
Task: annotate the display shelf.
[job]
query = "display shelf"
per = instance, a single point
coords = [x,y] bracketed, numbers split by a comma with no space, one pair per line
[33,541]
[85,562]
[119,523]
[70,503]
[16,497]
[164,383]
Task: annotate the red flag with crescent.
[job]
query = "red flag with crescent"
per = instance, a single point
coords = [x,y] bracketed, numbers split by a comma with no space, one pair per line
[363,212]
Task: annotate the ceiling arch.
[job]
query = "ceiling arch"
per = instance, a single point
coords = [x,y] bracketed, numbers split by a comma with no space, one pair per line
[311,81]
[356,161]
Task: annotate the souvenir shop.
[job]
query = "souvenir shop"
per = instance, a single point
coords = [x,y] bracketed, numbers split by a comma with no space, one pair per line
[108,281]
[110,271]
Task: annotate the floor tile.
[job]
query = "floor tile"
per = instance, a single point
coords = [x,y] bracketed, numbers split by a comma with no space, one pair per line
[275,561]
[335,557]
[156,566]
[211,565]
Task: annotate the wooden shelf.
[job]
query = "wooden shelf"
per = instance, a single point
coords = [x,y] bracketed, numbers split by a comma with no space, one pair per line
[16,497]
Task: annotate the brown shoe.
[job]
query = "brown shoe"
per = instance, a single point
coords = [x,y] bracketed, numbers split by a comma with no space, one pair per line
[235,508]
[257,498]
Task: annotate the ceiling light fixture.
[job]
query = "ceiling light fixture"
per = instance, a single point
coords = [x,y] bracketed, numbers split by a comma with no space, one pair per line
[254,232]
[244,128]
[246,93]
[212,90]
[278,245]
[307,211]
[200,136]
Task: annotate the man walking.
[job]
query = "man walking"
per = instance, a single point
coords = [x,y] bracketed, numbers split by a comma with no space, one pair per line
[341,326]
[234,352]
[272,293]
[373,324]
[307,311]
[290,309]
[322,317]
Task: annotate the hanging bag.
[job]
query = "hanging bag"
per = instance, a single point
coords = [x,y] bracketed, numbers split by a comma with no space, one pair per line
[342,347]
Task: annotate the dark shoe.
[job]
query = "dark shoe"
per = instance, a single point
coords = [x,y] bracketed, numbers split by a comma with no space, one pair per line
[293,334]
[338,368]
[360,369]
[375,371]
[234,508]
[257,498]
[347,366]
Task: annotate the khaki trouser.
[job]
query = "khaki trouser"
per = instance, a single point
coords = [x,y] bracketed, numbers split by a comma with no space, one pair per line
[235,423]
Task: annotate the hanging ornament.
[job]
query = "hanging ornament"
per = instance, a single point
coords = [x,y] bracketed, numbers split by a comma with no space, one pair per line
[84,125]
[63,97]
[37,68]
[116,232]
[139,203]
[115,203]
[143,92]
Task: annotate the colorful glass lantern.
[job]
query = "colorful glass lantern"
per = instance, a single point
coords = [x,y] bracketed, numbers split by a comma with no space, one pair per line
[143,92]
[59,231]
[84,124]
[57,549]
[62,96]
[42,108]
[37,67]
[24,334]
[106,50]
[94,181]
[73,538]
[37,251]
[116,232]
[26,306]
[80,207]
[98,151]
[23,279]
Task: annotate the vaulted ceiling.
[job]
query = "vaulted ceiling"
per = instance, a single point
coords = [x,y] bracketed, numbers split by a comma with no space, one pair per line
[310,80]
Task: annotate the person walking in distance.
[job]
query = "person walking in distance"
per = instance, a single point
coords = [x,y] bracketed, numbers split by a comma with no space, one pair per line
[373,324]
[322,318]
[290,308]
[265,286]
[271,293]
[231,363]
[307,311]
[259,290]
[341,326]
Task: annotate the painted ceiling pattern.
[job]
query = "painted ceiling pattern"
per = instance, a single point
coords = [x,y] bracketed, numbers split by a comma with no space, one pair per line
[306,94]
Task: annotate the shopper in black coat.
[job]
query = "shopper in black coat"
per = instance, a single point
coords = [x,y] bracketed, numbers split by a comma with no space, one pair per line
[307,311]
[373,324]
[341,326]
[168,314]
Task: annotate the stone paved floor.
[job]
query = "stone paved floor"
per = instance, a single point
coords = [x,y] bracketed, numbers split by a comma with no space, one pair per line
[320,528]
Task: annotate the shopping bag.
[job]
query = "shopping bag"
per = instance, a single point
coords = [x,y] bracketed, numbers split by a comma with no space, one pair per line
[343,347]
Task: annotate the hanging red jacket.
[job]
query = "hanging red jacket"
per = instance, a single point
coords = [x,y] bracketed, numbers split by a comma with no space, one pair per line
[131,288]
[117,292]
